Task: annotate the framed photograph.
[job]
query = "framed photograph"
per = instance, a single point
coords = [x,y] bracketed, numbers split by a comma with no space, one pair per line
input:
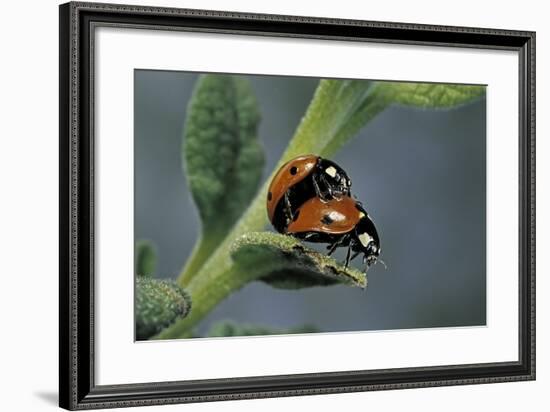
[263,205]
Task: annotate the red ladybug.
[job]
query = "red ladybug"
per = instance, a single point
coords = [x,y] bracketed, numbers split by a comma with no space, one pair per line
[299,180]
[341,223]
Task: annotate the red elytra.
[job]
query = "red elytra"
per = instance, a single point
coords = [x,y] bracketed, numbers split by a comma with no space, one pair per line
[291,173]
[337,216]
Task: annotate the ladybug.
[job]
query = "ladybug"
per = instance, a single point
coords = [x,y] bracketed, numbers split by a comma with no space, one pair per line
[299,180]
[341,223]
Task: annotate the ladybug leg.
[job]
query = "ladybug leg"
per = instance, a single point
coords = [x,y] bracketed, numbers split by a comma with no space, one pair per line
[348,254]
[355,255]
[288,209]
[316,187]
[332,248]
[328,194]
[318,192]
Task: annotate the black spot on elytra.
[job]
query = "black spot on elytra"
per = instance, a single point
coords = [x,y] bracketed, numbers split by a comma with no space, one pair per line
[269,196]
[327,220]
[293,170]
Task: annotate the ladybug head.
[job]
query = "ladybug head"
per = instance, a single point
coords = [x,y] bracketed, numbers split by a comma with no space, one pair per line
[368,241]
[371,251]
[334,179]
[372,257]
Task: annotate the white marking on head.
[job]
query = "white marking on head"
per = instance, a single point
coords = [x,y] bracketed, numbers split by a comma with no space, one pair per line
[331,171]
[365,239]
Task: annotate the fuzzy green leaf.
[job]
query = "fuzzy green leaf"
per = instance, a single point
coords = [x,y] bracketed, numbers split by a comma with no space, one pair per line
[427,95]
[371,98]
[284,262]
[230,328]
[223,159]
[159,303]
[146,258]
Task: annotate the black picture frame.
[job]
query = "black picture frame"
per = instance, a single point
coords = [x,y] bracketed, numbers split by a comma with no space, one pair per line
[77,387]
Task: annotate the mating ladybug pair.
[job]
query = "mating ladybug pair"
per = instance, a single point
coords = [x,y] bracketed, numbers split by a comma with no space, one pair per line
[310,198]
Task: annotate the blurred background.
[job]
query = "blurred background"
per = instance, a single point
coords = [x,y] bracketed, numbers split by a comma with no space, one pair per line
[421,175]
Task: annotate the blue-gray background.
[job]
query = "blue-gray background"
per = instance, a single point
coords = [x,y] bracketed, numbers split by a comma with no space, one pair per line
[420,173]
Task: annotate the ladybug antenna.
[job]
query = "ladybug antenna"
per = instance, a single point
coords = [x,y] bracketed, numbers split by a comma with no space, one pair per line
[365,262]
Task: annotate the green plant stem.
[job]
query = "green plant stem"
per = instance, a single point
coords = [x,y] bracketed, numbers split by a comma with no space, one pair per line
[371,108]
[200,254]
